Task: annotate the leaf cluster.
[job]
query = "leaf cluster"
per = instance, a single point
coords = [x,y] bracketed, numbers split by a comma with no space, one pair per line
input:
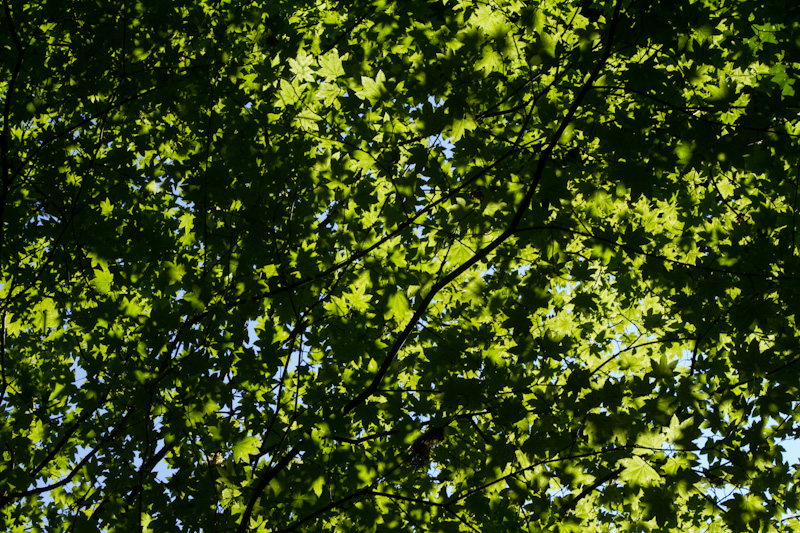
[398,265]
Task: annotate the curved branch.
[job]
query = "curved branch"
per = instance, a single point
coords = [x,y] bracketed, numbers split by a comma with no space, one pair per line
[266,477]
[5,171]
[9,95]
[639,251]
[4,499]
[503,237]
[331,505]
[691,111]
[569,505]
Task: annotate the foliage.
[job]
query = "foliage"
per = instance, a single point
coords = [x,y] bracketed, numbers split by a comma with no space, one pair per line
[399,265]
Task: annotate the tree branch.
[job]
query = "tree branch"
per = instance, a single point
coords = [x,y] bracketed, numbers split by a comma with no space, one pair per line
[512,227]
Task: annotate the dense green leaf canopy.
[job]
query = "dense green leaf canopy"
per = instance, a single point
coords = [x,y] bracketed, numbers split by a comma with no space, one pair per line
[399,265]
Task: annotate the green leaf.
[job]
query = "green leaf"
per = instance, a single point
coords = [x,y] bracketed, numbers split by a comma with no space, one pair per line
[301,66]
[490,266]
[373,89]
[677,432]
[103,280]
[638,472]
[331,65]
[245,447]
[398,307]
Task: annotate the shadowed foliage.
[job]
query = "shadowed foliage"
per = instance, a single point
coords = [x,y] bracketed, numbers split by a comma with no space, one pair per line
[399,265]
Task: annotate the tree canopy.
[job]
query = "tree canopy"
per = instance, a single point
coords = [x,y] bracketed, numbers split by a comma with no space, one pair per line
[399,265]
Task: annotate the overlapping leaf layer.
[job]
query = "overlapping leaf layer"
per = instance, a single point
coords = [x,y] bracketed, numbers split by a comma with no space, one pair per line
[399,266]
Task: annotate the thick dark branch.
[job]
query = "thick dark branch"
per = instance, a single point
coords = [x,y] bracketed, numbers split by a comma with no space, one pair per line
[266,477]
[66,437]
[5,171]
[481,254]
[66,479]
[557,458]
[569,505]
[9,96]
[419,501]
[691,111]
[331,505]
[71,129]
[639,251]
[366,438]
[400,228]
